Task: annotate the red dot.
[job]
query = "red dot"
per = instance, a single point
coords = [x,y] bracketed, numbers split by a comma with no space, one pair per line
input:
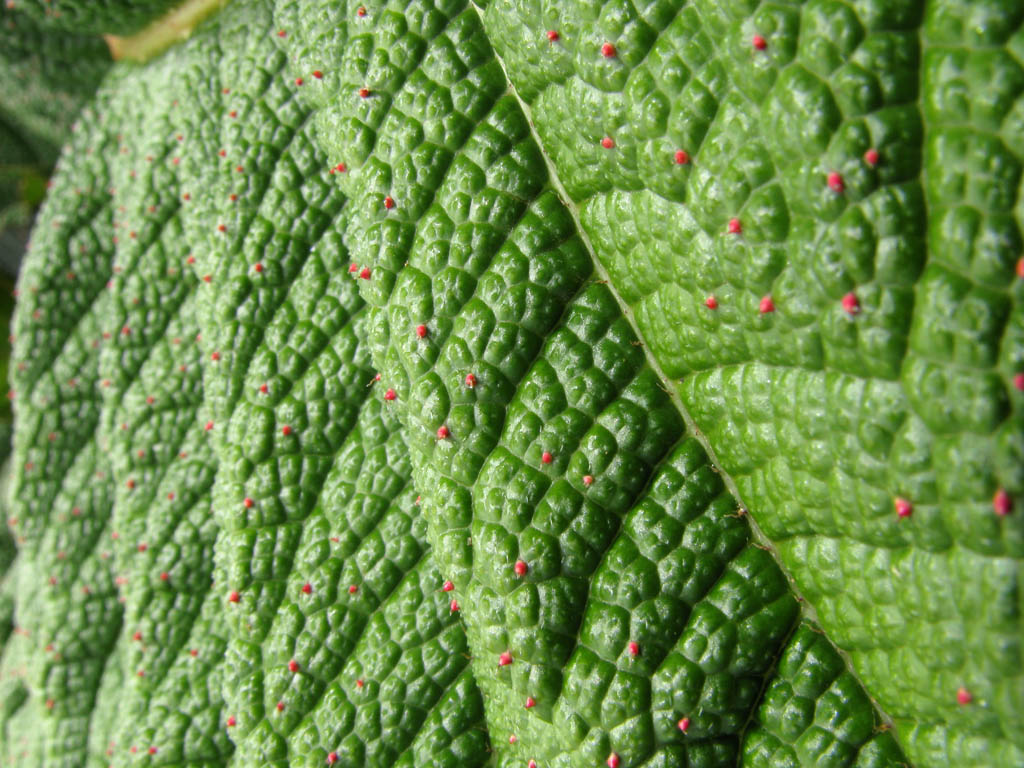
[389,203]
[293,666]
[352,589]
[442,432]
[613,760]
[307,589]
[332,758]
[152,750]
[520,568]
[711,302]
[215,356]
[835,182]
[421,331]
[143,547]
[767,305]
[1018,381]
[364,93]
[684,724]
[552,35]
[530,703]
[512,738]
[264,389]
[607,142]
[634,648]
[903,507]
[281,33]
[759,42]
[390,395]
[608,50]
[365,274]
[963,696]
[454,606]
[361,11]
[234,597]
[735,227]
[681,157]
[1002,503]
[505,659]
[1020,267]
[359,683]
[851,303]
[447,587]
[353,267]
[871,156]
[286,430]
[546,457]
[340,167]
[280,706]
[231,721]
[470,380]
[258,267]
[209,426]
[318,74]
[588,480]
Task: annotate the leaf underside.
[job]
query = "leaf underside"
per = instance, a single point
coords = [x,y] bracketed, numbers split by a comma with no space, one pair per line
[331,308]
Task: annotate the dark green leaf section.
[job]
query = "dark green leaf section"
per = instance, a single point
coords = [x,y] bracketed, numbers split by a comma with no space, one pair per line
[812,213]
[48,76]
[815,713]
[96,17]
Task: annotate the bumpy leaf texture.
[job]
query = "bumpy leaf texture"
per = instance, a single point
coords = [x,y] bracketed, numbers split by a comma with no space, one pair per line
[373,408]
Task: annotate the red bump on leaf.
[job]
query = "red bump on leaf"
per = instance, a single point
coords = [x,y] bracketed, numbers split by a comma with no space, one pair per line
[248,502]
[851,303]
[903,507]
[470,380]
[588,480]
[231,722]
[421,331]
[520,568]
[361,11]
[286,430]
[143,547]
[1020,267]
[871,157]
[759,42]
[390,395]
[684,724]
[835,182]
[454,606]
[280,706]
[364,93]
[963,696]
[293,666]
[681,157]
[353,268]
[1002,503]
[552,35]
[532,764]
[505,659]
[530,703]
[711,302]
[352,589]
[735,227]
[1018,381]
[365,274]
[613,760]
[281,33]
[442,432]
[767,305]
[264,389]
[307,588]
[512,738]
[607,142]
[234,597]
[215,356]
[546,457]
[608,50]
[209,426]
[299,81]
[152,750]
[389,203]
[359,683]
[257,267]
[447,586]
[332,758]
[634,648]
[318,74]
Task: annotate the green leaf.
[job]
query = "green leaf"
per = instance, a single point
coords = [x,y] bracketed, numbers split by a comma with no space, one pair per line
[870,153]
[369,411]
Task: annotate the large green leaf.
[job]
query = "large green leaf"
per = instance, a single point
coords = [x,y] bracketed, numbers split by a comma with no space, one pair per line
[369,411]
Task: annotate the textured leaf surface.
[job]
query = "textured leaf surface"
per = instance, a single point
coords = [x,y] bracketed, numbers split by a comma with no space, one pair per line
[866,326]
[94,16]
[339,448]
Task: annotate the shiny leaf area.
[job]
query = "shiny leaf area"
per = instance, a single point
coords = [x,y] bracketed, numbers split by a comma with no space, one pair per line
[335,447]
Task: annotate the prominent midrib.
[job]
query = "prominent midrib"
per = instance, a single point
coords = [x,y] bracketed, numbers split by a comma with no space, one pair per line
[807,609]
